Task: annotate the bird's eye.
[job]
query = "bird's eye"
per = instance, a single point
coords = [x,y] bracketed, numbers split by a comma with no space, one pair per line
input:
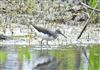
[59,31]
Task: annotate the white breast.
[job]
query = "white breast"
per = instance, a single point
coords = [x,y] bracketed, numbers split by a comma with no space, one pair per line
[45,36]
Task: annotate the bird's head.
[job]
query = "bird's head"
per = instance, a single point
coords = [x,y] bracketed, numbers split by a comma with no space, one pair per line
[59,32]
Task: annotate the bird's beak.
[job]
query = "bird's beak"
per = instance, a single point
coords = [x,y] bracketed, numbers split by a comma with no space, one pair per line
[63,35]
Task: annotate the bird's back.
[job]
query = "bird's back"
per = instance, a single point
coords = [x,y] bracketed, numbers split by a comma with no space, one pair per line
[45,31]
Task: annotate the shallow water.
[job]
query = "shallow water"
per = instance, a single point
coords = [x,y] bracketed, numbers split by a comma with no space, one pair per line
[32,59]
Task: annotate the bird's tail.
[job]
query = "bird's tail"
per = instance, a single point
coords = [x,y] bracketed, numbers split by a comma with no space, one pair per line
[35,28]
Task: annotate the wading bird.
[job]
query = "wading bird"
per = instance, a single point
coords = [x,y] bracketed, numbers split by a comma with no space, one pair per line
[46,34]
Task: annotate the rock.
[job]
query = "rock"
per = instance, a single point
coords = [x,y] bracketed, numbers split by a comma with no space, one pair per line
[81,17]
[3,37]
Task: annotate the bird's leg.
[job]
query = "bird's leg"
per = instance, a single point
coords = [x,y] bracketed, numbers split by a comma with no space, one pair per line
[47,47]
[41,44]
[48,44]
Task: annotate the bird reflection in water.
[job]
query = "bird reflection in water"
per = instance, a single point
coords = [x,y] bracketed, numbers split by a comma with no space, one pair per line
[46,63]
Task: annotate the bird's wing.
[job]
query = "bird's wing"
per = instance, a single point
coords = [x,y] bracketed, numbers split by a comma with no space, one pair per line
[43,30]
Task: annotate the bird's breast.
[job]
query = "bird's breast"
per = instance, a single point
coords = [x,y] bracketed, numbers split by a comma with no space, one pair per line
[45,36]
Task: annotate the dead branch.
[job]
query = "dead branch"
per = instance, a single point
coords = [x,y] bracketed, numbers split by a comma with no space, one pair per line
[96,10]
[86,23]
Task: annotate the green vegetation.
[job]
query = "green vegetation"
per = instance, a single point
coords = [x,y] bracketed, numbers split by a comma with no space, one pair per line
[92,3]
[94,6]
[68,58]
[3,56]
[23,52]
[94,57]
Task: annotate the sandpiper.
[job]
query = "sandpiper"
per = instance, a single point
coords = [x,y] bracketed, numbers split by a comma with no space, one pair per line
[46,34]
